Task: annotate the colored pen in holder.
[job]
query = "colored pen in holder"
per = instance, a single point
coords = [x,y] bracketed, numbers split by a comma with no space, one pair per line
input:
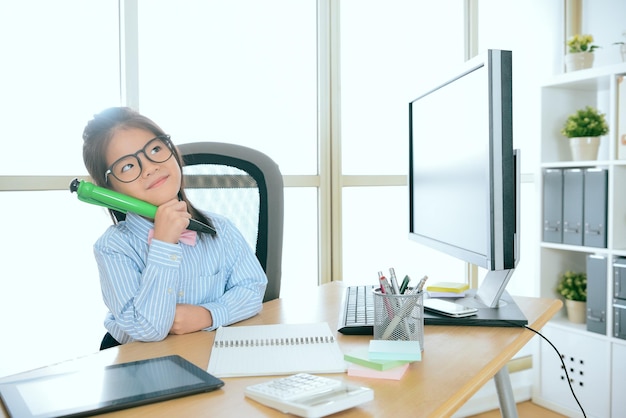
[96,195]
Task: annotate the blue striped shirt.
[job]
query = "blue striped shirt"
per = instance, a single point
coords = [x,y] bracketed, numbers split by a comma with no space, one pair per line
[142,284]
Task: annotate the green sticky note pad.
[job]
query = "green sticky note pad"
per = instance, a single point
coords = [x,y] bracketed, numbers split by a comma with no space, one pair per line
[395,350]
[362,358]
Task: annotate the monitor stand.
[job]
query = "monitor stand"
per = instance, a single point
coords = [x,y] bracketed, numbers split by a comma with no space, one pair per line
[506,314]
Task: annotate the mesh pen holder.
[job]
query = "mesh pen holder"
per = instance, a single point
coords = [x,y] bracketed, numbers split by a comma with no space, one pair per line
[399,317]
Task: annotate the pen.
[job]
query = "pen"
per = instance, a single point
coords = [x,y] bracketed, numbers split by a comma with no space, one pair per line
[420,285]
[394,282]
[385,289]
[404,285]
[384,284]
[96,195]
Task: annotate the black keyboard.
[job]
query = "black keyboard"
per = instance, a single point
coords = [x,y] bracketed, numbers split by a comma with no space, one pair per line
[357,314]
[357,311]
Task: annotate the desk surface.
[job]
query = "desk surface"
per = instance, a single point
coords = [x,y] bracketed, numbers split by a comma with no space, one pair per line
[457,361]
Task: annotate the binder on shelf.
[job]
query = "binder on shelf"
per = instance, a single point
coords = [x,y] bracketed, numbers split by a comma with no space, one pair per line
[573,188]
[553,205]
[595,205]
[596,293]
[619,275]
[621,118]
[619,319]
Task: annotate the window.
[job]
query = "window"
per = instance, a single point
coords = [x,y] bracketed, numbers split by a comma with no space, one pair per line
[389,53]
[59,66]
[233,72]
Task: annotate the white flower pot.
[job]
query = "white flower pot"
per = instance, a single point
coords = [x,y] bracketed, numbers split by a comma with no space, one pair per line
[584,148]
[578,61]
[576,311]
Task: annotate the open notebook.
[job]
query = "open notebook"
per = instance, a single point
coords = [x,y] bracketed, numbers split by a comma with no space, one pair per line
[266,350]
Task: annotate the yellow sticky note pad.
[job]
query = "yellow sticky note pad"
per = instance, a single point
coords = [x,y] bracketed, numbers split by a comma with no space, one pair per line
[453,287]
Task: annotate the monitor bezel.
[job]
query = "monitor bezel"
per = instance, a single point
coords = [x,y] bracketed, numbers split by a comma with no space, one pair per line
[503,229]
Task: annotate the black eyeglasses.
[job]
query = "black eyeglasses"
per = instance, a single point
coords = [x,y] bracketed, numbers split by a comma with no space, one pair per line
[128,168]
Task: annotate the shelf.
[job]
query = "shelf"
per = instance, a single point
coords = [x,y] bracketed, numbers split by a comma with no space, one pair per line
[597,353]
[564,94]
[579,164]
[575,248]
[589,79]
[561,95]
[560,321]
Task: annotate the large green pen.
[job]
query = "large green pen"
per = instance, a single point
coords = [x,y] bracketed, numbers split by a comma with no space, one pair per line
[96,195]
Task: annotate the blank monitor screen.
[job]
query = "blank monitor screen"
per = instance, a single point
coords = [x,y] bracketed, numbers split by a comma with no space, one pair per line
[462,169]
[450,170]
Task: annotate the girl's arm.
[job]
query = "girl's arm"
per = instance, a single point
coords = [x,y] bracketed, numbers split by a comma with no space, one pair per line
[245,280]
[139,289]
[190,318]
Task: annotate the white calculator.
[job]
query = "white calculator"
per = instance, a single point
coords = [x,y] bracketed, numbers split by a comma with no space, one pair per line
[307,395]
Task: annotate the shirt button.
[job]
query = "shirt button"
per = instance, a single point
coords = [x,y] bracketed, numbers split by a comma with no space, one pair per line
[173,257]
[181,293]
[170,291]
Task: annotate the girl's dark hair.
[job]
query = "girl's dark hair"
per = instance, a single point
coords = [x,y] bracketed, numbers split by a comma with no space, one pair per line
[97,136]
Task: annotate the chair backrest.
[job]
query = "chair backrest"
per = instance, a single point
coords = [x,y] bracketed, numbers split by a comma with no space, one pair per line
[246,186]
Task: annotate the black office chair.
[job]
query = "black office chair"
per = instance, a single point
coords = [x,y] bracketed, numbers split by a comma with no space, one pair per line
[246,186]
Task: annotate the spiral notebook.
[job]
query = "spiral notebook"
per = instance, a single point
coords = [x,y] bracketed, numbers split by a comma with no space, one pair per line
[267,350]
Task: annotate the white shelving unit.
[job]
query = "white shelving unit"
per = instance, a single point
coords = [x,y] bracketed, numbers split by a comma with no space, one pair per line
[596,363]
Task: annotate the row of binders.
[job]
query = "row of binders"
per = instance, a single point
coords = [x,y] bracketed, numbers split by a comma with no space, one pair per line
[597,307]
[575,206]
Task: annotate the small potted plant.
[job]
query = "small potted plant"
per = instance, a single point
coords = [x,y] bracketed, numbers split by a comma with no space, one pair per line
[579,52]
[573,287]
[584,129]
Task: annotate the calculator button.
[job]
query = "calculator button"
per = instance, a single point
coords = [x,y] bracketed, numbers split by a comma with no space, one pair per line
[296,386]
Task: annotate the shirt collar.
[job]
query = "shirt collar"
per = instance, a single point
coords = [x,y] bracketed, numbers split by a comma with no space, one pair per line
[138,225]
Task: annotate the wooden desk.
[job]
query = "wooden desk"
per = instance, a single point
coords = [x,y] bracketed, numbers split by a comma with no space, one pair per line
[457,361]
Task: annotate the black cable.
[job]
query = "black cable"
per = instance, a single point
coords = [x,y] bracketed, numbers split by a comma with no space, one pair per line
[569,382]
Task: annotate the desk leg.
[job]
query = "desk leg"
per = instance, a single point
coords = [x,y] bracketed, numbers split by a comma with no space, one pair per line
[508,408]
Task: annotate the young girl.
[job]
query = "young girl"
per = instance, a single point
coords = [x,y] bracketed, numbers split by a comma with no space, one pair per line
[158,278]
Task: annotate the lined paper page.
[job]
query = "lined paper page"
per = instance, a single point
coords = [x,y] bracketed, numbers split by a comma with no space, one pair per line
[266,350]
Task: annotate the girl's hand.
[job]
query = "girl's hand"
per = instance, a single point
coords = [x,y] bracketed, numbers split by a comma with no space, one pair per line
[170,221]
[190,318]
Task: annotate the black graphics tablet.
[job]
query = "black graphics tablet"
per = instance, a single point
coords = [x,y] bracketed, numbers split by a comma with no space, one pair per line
[99,390]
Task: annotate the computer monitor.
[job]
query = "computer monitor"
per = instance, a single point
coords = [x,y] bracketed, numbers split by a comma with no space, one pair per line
[464,179]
